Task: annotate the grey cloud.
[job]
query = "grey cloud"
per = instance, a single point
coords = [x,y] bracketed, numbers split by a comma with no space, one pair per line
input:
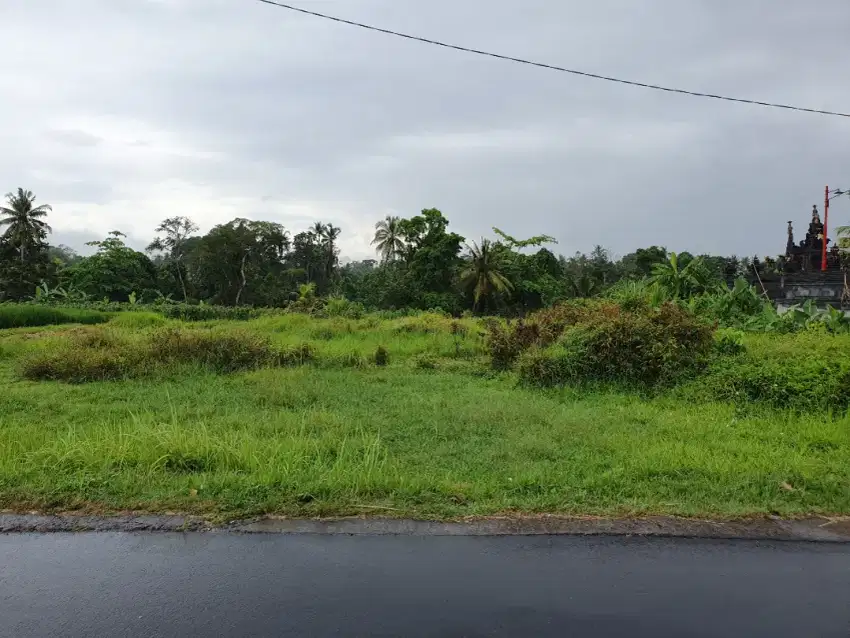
[228,108]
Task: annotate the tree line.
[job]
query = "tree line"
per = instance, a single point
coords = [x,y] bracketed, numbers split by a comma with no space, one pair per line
[419,264]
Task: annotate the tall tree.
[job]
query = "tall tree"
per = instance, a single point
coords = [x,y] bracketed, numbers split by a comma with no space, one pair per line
[242,261]
[24,221]
[115,271]
[332,233]
[388,242]
[175,232]
[482,276]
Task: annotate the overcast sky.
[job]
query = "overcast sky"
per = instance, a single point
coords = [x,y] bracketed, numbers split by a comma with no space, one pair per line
[122,112]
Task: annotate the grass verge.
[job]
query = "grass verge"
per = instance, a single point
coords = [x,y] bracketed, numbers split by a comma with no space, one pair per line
[402,442]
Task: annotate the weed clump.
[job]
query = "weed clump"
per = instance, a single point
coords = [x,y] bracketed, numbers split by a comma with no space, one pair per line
[222,352]
[77,365]
[103,356]
[425,361]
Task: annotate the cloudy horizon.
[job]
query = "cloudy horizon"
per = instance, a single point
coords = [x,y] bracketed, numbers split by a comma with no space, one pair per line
[120,114]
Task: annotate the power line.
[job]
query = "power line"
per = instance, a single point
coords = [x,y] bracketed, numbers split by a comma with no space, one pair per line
[551,67]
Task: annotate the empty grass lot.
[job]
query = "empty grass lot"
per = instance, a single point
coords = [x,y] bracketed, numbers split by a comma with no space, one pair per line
[433,434]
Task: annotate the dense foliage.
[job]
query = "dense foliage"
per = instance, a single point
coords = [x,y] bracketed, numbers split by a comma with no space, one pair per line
[421,264]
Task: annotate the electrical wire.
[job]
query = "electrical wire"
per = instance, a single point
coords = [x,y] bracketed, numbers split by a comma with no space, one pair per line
[552,67]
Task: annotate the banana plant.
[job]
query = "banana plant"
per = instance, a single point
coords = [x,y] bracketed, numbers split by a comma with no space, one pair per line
[835,320]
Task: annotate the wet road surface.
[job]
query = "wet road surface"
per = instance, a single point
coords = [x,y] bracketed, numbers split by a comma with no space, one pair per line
[217,584]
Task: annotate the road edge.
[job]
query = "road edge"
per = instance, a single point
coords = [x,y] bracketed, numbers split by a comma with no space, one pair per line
[816,529]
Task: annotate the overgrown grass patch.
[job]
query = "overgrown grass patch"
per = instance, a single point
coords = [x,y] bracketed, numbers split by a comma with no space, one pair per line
[109,354]
[218,418]
[397,441]
[27,315]
[807,372]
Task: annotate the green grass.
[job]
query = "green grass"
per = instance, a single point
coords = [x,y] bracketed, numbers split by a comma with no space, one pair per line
[442,440]
[24,315]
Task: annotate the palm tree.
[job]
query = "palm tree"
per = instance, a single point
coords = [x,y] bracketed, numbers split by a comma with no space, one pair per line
[388,242]
[482,274]
[23,219]
[332,233]
[318,229]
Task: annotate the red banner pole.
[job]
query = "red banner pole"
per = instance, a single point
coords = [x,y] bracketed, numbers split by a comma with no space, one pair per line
[825,220]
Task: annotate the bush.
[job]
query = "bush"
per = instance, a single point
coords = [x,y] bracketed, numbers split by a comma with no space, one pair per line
[382,357]
[342,307]
[296,355]
[30,315]
[507,341]
[425,361]
[646,349]
[804,383]
[728,341]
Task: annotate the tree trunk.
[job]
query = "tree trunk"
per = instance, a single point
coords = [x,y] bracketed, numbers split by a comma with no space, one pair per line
[244,280]
[180,276]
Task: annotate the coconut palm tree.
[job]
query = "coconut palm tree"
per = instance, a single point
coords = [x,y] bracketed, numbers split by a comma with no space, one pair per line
[388,242]
[482,274]
[318,229]
[331,234]
[24,220]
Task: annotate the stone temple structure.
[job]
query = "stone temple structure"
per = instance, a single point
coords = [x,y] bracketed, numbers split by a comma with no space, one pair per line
[799,277]
[807,255]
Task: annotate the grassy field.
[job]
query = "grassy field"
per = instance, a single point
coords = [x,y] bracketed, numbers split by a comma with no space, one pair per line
[433,434]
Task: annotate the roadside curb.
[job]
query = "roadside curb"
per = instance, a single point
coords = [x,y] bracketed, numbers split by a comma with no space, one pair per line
[833,530]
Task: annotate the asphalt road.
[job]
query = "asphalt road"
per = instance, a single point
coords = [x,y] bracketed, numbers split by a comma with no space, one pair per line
[114,584]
